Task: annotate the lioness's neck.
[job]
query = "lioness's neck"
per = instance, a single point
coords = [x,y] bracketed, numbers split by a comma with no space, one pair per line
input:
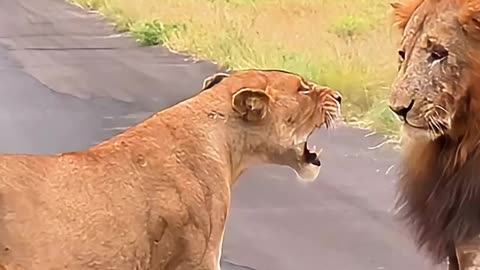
[196,133]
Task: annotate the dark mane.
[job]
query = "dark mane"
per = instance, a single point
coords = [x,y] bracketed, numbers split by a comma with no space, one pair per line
[440,199]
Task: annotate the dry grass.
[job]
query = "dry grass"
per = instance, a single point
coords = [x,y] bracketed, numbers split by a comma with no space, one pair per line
[347,45]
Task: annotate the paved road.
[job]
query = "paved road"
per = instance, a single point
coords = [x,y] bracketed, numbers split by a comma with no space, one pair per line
[67,82]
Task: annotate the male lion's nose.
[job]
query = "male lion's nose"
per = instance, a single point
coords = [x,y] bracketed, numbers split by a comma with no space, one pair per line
[401,110]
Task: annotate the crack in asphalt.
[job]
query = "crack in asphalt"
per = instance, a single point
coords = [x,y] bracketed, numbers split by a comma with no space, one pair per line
[237,264]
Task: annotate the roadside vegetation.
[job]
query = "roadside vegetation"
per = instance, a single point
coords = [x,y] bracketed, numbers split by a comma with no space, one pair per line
[347,45]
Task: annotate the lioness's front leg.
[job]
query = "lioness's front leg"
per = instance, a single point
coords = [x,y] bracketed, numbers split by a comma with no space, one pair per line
[219,252]
[468,255]
[211,261]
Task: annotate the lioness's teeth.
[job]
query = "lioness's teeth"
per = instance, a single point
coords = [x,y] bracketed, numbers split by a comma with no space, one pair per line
[315,150]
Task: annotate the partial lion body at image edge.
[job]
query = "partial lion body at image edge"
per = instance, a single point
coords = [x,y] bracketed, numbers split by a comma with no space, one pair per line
[437,95]
[157,195]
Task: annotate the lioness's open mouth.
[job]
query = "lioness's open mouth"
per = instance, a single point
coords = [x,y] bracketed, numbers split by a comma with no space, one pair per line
[312,156]
[308,159]
[310,153]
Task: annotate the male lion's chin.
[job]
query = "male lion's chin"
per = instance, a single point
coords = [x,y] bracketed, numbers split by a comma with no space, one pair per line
[307,172]
[418,134]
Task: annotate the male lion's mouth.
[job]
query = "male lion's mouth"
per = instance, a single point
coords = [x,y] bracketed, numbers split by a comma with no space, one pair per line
[418,132]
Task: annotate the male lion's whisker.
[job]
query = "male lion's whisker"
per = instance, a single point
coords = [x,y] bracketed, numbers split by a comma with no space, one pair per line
[436,113]
[441,108]
[433,123]
[436,127]
[431,130]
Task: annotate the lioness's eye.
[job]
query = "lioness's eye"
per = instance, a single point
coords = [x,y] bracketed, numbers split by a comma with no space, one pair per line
[304,88]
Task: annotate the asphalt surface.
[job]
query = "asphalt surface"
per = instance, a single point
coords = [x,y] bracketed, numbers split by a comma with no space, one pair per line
[68,81]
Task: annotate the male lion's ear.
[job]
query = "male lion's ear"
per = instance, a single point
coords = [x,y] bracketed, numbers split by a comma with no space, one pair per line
[470,17]
[252,104]
[213,80]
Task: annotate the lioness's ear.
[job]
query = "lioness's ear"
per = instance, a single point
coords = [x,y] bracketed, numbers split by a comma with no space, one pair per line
[403,10]
[213,80]
[251,104]
[470,18]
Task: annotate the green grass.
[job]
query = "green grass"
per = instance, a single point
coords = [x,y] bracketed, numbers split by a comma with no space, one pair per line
[349,27]
[150,33]
[347,45]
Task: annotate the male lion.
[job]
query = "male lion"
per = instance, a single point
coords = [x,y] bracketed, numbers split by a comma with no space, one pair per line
[437,94]
[157,195]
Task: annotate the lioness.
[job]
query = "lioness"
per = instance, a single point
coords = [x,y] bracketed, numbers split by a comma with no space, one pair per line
[157,195]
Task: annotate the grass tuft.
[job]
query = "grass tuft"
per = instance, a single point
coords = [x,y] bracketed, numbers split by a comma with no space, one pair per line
[150,33]
[350,27]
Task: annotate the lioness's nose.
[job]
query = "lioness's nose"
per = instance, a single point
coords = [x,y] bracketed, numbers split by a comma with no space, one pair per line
[338,97]
[401,110]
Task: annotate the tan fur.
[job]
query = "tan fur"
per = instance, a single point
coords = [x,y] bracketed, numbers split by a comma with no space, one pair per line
[156,196]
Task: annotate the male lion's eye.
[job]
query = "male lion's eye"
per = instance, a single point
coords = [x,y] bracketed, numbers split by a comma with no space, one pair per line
[438,52]
[401,54]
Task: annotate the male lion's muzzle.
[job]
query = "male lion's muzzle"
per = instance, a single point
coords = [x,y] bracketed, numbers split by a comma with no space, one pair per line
[420,113]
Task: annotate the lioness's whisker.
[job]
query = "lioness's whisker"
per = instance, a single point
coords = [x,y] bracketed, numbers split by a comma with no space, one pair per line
[334,100]
[329,119]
